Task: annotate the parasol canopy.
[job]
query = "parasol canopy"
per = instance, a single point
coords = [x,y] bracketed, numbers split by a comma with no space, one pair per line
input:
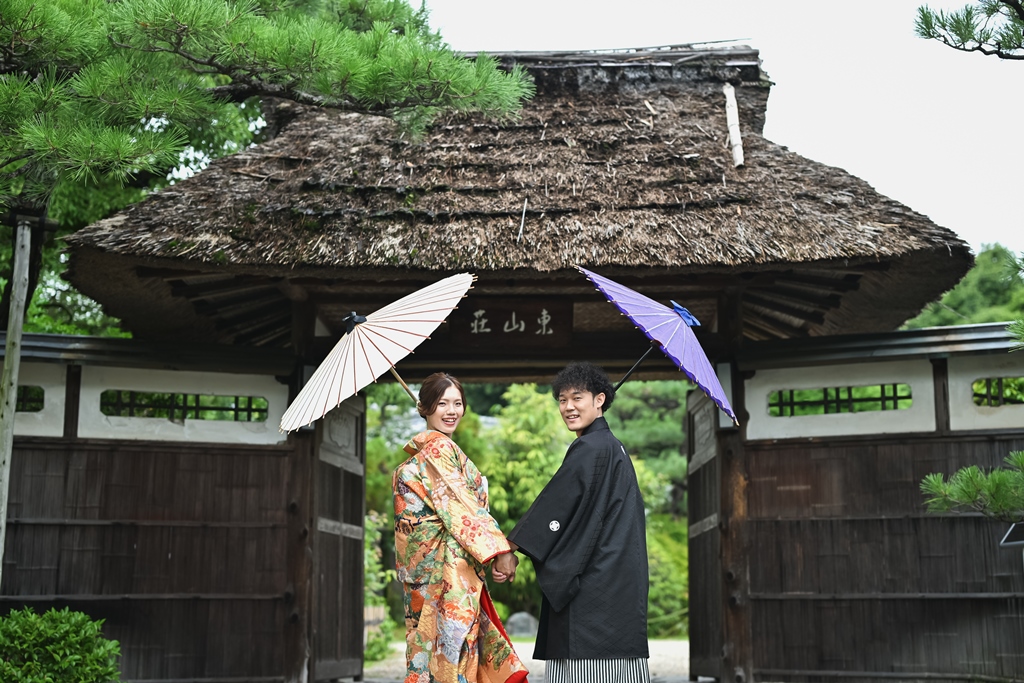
[669,328]
[372,345]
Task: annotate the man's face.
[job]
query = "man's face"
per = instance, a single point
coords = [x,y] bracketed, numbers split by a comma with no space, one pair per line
[579,408]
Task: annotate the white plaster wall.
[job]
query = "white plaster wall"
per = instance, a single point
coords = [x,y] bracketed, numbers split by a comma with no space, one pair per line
[920,417]
[92,424]
[963,371]
[50,420]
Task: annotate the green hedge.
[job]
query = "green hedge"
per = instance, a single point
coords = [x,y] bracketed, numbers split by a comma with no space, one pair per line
[668,602]
[56,647]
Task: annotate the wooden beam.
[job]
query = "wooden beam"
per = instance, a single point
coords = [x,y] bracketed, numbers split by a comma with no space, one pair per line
[277,337]
[816,302]
[242,309]
[224,288]
[776,327]
[792,311]
[848,283]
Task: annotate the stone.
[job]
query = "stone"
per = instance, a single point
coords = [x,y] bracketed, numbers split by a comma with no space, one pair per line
[521,624]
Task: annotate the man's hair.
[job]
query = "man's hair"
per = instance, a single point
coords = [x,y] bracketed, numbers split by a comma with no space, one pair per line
[584,376]
[433,389]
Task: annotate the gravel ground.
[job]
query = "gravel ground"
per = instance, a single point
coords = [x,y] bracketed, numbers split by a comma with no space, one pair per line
[669,663]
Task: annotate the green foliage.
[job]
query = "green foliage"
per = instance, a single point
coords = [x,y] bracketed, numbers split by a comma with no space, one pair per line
[376,579]
[648,417]
[998,391]
[1016,328]
[998,494]
[991,27]
[528,445]
[56,307]
[485,398]
[668,601]
[56,647]
[992,291]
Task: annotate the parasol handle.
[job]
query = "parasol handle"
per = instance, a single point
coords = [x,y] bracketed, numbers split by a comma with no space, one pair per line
[636,365]
[404,385]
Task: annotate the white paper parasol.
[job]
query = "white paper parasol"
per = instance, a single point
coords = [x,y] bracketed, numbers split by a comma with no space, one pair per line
[372,345]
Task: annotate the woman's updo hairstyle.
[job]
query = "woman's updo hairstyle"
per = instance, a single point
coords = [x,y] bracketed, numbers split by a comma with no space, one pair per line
[433,389]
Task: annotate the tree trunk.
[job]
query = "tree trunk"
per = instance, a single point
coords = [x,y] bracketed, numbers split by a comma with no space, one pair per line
[12,363]
[35,265]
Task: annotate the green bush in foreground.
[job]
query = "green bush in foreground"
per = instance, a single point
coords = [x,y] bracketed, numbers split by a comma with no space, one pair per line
[56,647]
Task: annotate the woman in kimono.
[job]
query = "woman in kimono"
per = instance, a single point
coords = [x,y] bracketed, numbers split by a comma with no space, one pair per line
[444,538]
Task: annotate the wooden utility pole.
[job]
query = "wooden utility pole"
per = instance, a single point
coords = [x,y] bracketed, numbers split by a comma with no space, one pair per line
[12,363]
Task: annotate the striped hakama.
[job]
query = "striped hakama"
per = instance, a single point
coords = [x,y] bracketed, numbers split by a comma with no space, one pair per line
[597,671]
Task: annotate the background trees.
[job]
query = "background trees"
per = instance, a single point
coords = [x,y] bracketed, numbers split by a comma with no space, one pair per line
[992,291]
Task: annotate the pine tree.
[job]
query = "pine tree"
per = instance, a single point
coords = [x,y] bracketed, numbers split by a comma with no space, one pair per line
[999,494]
[991,27]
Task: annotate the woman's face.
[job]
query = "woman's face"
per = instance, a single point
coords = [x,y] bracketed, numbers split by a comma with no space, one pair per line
[449,411]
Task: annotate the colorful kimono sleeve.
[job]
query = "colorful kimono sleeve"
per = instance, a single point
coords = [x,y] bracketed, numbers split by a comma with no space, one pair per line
[458,507]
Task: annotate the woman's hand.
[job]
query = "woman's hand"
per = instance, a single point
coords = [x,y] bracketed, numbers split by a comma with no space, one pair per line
[504,567]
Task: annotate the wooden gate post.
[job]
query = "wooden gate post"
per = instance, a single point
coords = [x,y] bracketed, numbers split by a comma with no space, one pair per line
[298,660]
[737,637]
[737,642]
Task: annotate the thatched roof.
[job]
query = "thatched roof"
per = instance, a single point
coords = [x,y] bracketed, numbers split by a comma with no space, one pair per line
[622,164]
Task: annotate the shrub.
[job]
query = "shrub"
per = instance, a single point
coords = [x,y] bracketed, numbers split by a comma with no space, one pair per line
[56,647]
[376,578]
[668,602]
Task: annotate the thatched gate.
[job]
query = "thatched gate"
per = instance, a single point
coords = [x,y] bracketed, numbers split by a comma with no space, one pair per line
[622,164]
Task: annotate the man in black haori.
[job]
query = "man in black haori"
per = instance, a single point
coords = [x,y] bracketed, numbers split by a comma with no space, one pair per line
[586,536]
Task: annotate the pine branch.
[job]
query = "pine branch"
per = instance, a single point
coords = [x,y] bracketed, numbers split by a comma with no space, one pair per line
[975,28]
[1016,6]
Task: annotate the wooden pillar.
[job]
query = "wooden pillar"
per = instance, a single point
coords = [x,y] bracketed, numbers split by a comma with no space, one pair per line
[940,375]
[299,591]
[300,664]
[737,636]
[72,400]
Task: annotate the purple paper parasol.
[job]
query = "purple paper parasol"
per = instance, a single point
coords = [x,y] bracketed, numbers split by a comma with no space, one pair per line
[670,330]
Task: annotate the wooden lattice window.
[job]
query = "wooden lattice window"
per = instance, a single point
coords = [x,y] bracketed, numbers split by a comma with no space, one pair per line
[29,400]
[181,407]
[828,401]
[998,391]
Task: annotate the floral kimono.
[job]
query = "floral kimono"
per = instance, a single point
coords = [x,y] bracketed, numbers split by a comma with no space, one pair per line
[444,536]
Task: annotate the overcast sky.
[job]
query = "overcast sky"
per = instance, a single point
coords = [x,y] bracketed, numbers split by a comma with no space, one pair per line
[854,87]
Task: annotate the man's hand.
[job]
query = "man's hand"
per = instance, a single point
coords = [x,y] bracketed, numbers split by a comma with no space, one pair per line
[504,567]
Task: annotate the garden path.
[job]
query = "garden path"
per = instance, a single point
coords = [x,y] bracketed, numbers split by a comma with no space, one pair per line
[669,663]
